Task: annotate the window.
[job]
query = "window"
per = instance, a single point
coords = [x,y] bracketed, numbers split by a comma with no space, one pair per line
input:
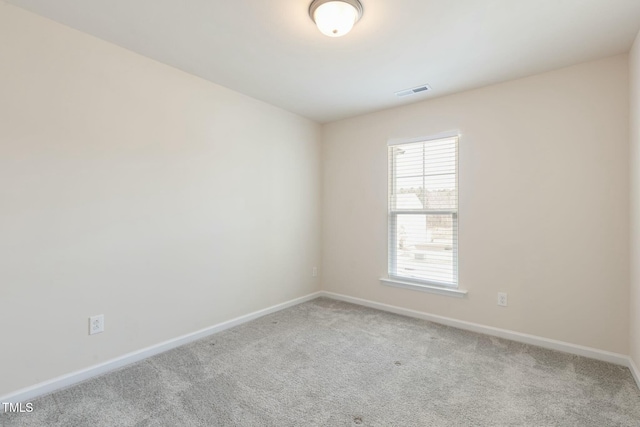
[423,211]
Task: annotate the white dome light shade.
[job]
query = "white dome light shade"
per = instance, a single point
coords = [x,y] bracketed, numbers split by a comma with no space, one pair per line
[335,18]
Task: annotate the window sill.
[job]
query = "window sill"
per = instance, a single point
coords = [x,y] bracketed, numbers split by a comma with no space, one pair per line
[458,293]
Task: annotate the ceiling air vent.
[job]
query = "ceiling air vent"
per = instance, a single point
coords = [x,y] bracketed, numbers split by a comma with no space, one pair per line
[414,90]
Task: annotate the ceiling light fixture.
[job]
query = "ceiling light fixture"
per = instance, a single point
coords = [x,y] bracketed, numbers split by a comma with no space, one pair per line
[335,18]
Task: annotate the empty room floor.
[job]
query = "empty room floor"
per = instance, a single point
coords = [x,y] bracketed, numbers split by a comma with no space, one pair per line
[329,363]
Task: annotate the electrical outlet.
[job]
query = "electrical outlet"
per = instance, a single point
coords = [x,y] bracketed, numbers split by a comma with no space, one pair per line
[502,299]
[96,324]
[314,272]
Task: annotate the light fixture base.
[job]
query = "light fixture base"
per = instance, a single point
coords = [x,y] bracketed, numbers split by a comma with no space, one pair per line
[317,3]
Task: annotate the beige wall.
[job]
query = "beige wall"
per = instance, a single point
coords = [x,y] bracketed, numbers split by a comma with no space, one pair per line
[634,71]
[544,213]
[140,192]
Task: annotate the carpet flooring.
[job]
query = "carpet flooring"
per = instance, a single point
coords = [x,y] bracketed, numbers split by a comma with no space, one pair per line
[329,363]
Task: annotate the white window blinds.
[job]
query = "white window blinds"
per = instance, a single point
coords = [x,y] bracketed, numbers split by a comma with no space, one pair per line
[423,211]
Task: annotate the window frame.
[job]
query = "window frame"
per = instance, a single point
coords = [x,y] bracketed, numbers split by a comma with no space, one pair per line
[392,213]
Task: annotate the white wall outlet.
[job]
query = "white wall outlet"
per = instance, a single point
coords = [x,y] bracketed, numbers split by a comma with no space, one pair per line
[502,299]
[96,324]
[314,272]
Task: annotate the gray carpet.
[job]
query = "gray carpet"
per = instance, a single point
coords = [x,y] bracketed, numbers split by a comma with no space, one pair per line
[328,363]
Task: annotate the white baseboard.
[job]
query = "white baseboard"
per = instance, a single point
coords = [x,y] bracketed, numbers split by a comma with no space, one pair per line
[634,371]
[593,353]
[67,380]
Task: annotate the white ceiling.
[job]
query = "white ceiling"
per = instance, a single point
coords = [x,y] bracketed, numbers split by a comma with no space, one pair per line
[271,50]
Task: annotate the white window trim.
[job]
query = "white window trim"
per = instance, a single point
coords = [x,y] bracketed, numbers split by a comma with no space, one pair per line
[423,285]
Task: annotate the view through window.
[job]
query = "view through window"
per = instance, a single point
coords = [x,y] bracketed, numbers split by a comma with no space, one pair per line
[423,211]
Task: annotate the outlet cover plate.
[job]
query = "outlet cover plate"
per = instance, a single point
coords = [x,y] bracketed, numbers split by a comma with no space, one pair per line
[96,324]
[502,299]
